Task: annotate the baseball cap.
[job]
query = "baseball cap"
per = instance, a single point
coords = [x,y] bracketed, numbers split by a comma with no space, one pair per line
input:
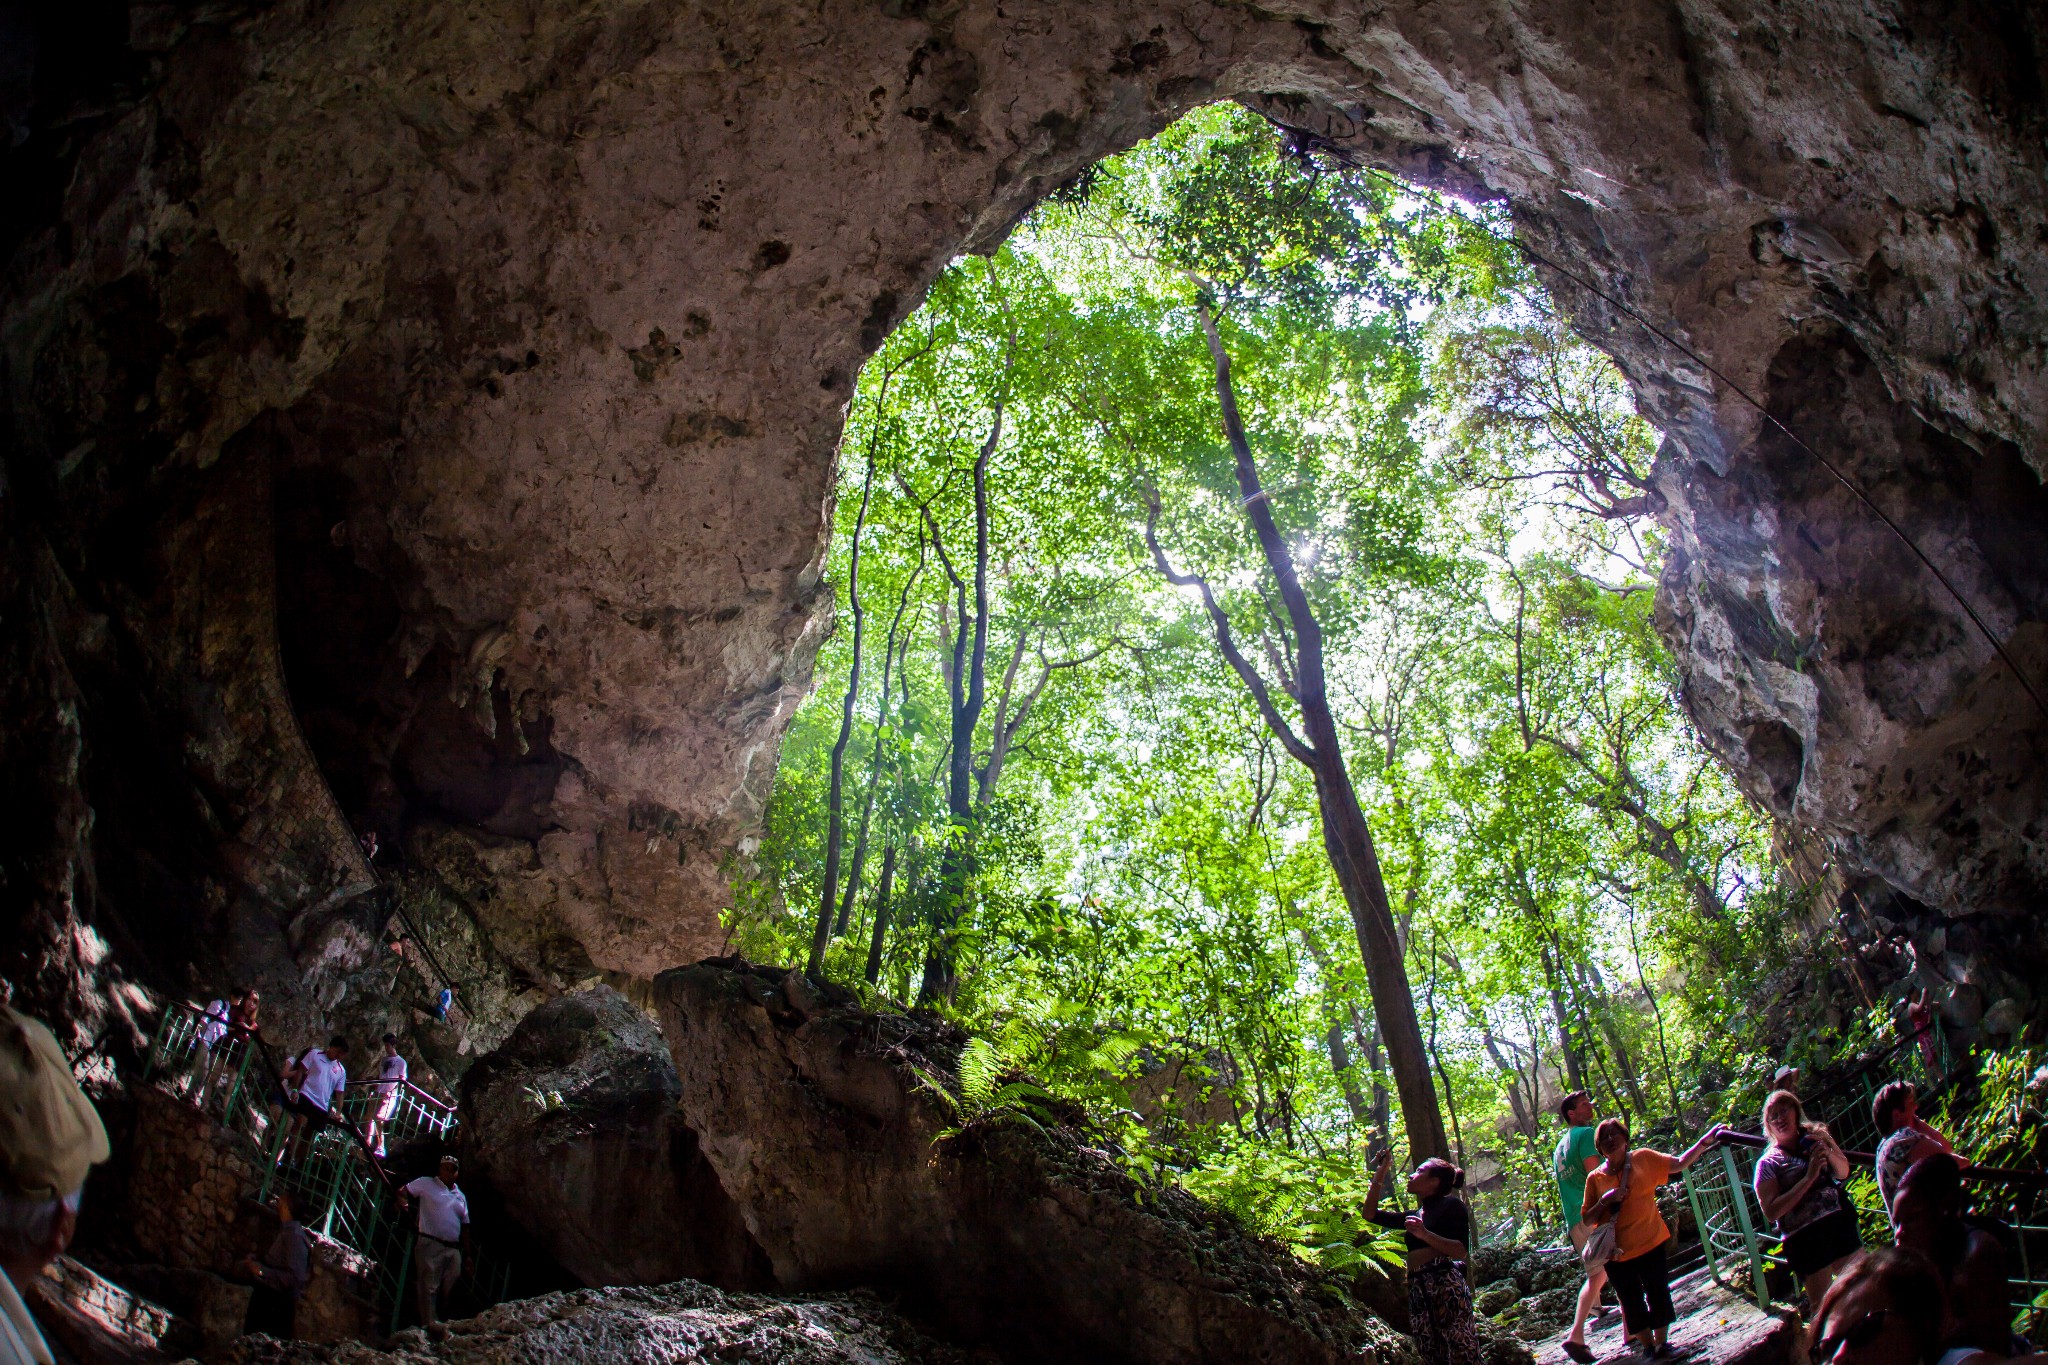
[50,1135]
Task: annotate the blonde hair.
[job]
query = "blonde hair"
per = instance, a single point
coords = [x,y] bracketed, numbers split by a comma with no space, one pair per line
[1785,1099]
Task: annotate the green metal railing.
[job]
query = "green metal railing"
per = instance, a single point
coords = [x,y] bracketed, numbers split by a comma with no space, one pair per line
[342,1190]
[205,1062]
[1740,1246]
[415,1114]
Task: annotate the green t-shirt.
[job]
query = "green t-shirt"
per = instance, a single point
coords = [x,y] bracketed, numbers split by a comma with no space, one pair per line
[1570,1167]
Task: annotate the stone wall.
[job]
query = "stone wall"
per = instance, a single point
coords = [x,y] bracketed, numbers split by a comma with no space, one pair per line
[186,1191]
[190,1206]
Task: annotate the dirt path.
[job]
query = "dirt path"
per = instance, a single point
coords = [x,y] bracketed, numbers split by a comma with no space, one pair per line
[1714,1327]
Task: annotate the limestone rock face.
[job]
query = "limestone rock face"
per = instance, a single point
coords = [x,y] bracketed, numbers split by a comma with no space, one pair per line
[821,1126]
[429,416]
[644,1326]
[573,1121]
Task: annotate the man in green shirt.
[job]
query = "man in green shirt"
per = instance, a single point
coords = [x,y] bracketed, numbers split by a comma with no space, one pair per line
[1576,1155]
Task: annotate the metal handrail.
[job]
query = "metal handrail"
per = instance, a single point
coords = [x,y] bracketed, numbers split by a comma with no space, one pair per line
[1982,1174]
[424,1096]
[1730,1226]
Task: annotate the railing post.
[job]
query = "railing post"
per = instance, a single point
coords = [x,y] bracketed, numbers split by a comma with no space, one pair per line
[1739,1194]
[1705,1229]
[404,1277]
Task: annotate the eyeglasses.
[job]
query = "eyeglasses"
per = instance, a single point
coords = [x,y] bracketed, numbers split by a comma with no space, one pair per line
[1856,1336]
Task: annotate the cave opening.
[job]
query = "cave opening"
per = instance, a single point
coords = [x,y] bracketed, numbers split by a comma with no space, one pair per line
[1078,744]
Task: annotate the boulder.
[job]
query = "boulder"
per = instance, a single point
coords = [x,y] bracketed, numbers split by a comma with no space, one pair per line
[645,1326]
[573,1122]
[1496,1297]
[2004,1019]
[1491,1264]
[825,1130]
[1500,1346]
[1383,1290]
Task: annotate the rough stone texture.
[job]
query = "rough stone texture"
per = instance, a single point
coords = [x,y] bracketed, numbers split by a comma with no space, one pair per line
[607,1176]
[819,1127]
[189,1207]
[186,1185]
[478,373]
[668,1325]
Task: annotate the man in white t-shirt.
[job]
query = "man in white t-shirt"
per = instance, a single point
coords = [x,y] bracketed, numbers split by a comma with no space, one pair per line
[442,1251]
[320,1075]
[391,1077]
[213,1026]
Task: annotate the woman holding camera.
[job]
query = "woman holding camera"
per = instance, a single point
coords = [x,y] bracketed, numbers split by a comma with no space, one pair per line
[1437,1233]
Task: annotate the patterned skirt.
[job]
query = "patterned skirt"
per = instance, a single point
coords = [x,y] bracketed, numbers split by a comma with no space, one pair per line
[1440,1314]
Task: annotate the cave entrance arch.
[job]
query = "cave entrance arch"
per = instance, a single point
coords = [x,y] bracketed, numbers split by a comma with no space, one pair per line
[556,314]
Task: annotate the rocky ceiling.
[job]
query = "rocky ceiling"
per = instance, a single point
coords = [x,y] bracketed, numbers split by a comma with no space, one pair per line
[421,417]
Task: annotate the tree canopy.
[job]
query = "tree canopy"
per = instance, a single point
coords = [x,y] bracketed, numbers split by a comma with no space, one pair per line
[1072,803]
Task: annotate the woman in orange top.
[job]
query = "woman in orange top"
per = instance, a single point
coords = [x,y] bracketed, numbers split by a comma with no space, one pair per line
[1623,1189]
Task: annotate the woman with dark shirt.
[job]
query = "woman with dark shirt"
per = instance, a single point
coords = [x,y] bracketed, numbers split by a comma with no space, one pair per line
[1798,1183]
[1437,1234]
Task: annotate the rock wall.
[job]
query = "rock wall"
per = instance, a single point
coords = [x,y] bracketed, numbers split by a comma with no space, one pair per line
[574,1122]
[820,1123]
[190,1209]
[427,420]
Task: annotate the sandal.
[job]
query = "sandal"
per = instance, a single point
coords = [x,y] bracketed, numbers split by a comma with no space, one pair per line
[1579,1351]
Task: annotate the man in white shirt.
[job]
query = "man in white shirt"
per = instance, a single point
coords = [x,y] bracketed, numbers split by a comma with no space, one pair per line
[320,1076]
[391,1076]
[213,1026]
[50,1136]
[442,1251]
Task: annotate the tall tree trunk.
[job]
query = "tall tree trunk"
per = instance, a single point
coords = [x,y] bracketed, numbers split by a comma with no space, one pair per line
[969,690]
[873,973]
[1340,1064]
[1437,1057]
[1347,838]
[835,819]
[867,810]
[1574,1071]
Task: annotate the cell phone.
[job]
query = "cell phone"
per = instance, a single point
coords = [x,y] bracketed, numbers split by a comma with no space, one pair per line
[1384,1156]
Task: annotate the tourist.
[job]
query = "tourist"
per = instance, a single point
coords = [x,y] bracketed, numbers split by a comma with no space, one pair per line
[281,1276]
[1904,1137]
[50,1136]
[1575,1156]
[213,1028]
[1437,1235]
[391,1077]
[1920,1022]
[320,1075]
[1884,1309]
[1786,1078]
[443,1248]
[1971,1262]
[1799,1184]
[243,1024]
[1622,1189]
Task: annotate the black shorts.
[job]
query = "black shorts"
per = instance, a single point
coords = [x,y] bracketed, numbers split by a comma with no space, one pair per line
[1820,1244]
[299,1104]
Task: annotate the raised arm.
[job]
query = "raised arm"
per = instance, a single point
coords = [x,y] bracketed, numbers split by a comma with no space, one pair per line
[1698,1149]
[1382,1172]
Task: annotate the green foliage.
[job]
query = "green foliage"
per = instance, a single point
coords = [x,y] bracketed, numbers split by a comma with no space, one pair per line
[1148,930]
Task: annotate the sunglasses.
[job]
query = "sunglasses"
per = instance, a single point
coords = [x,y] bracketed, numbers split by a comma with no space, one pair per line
[1856,1336]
